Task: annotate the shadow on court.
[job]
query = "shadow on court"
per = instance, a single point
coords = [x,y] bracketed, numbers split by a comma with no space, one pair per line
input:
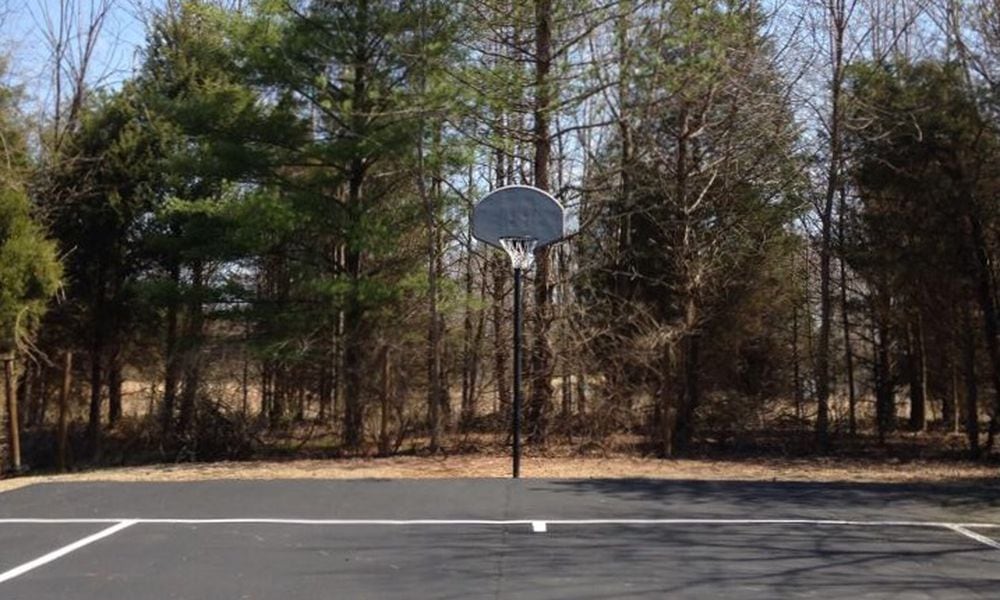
[506,499]
[754,562]
[474,560]
[976,501]
[705,561]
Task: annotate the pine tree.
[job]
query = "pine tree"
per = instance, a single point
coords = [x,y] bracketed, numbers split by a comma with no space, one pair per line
[922,159]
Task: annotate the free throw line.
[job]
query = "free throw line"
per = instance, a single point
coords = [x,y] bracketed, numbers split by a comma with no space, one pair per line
[56,554]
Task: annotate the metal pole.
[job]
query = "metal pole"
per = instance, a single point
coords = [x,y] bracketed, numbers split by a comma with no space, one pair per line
[517,374]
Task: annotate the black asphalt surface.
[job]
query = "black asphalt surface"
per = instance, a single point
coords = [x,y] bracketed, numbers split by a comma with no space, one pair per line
[688,560]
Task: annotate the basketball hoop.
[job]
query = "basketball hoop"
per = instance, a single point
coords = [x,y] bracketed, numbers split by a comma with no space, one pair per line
[521,251]
[520,219]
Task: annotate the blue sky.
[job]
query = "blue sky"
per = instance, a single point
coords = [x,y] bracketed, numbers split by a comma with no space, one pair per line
[23,39]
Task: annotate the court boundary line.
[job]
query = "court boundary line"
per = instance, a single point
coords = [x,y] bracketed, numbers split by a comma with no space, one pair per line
[988,541]
[527,521]
[63,551]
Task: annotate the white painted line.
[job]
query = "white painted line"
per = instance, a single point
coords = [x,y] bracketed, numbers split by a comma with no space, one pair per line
[453,522]
[538,526]
[978,537]
[56,554]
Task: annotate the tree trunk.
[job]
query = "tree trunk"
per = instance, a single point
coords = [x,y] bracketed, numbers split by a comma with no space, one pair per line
[173,359]
[266,391]
[541,356]
[245,382]
[823,344]
[430,197]
[115,387]
[691,393]
[96,384]
[97,349]
[337,383]
[434,388]
[687,396]
[987,306]
[624,257]
[884,403]
[444,385]
[667,403]
[13,430]
[468,408]
[192,351]
[470,347]
[625,131]
[796,369]
[27,398]
[565,353]
[971,385]
[325,389]
[44,396]
[384,443]
[917,375]
[279,376]
[949,408]
[354,330]
[838,16]
[500,340]
[300,395]
[852,401]
[62,432]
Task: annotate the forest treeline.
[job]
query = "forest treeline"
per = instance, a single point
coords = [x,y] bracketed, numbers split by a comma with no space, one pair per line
[785,229]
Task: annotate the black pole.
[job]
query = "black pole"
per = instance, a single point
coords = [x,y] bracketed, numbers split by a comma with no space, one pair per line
[516,426]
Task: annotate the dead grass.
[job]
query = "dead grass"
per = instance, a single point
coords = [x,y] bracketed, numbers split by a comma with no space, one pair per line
[409,467]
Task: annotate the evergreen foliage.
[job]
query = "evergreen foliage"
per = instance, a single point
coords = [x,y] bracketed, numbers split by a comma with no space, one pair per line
[29,269]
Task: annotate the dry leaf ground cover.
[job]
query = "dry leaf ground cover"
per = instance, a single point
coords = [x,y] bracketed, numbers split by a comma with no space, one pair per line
[806,469]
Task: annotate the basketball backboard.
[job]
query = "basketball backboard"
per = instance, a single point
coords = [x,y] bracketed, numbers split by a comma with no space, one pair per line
[518,212]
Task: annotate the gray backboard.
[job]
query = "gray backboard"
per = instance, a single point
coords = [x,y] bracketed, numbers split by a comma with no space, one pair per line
[518,211]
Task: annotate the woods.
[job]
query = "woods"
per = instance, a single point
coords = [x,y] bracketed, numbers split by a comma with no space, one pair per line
[785,231]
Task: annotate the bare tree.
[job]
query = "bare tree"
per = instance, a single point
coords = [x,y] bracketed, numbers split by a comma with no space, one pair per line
[72,31]
[838,17]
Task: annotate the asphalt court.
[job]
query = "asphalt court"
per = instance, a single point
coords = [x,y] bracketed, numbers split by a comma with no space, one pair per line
[499,539]
[22,543]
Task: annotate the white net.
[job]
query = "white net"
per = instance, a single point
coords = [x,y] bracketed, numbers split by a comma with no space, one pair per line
[521,251]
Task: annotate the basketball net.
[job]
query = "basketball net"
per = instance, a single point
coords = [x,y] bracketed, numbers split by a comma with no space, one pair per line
[521,251]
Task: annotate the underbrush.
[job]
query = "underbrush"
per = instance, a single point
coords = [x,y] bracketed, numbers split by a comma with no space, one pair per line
[221,434]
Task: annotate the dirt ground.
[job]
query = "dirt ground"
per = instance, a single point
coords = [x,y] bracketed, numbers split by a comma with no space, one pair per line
[812,469]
